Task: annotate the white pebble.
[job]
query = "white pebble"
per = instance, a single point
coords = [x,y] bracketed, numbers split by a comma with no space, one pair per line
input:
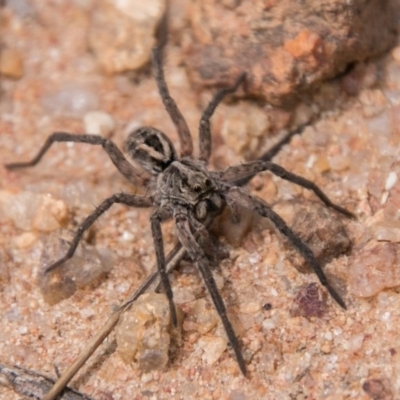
[23,330]
[391,180]
[385,317]
[98,123]
[268,324]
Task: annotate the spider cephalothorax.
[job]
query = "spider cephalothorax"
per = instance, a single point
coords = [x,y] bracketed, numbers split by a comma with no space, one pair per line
[186,191]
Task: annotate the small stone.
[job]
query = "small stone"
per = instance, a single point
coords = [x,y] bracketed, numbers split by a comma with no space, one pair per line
[11,65]
[326,348]
[204,316]
[387,231]
[374,268]
[99,123]
[144,332]
[354,343]
[122,33]
[85,268]
[391,180]
[250,308]
[310,302]
[24,240]
[29,210]
[213,347]
[50,214]
[321,165]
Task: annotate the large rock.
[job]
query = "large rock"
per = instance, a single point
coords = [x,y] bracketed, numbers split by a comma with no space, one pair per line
[285,46]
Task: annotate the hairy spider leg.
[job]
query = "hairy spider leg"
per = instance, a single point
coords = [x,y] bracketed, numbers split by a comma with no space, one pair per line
[253,167]
[273,151]
[115,154]
[243,198]
[130,200]
[205,142]
[170,105]
[186,237]
[156,219]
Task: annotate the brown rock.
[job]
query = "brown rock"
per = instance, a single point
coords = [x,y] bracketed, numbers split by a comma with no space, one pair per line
[285,46]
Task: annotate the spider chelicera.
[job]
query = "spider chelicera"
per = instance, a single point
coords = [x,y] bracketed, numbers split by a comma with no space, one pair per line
[185,190]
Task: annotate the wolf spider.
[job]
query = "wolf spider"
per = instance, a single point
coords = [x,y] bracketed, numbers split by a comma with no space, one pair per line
[184,189]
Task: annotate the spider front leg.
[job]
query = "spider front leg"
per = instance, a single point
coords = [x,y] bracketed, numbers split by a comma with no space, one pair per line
[186,237]
[239,172]
[238,195]
[115,154]
[204,128]
[122,198]
[156,219]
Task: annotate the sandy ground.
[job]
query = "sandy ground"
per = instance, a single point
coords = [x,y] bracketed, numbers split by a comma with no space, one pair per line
[351,152]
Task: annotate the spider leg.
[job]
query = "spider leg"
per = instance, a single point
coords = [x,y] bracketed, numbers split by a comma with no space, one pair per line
[170,105]
[156,219]
[186,237]
[273,151]
[249,169]
[115,154]
[242,197]
[204,128]
[123,198]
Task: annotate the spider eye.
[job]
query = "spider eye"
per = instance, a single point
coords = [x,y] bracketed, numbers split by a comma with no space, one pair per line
[197,188]
[207,182]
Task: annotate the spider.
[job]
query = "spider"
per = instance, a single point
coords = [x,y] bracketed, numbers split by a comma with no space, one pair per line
[186,191]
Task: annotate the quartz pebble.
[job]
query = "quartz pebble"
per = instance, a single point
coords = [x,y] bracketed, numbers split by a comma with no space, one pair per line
[86,268]
[213,347]
[99,123]
[144,332]
[204,316]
